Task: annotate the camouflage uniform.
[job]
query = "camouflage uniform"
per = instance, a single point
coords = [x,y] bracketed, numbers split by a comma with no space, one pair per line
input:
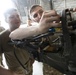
[11,60]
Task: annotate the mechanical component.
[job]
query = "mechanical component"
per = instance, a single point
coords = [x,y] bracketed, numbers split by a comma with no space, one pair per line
[63,58]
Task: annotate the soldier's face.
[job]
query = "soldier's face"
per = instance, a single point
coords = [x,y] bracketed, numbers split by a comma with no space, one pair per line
[36,14]
[13,19]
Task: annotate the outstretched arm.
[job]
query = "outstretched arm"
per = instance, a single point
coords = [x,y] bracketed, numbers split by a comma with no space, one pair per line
[21,33]
[48,20]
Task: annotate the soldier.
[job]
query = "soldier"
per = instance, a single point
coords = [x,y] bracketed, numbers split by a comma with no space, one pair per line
[44,19]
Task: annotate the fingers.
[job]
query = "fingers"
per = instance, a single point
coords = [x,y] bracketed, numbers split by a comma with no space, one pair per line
[55,24]
[53,19]
[49,19]
[52,16]
[50,13]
